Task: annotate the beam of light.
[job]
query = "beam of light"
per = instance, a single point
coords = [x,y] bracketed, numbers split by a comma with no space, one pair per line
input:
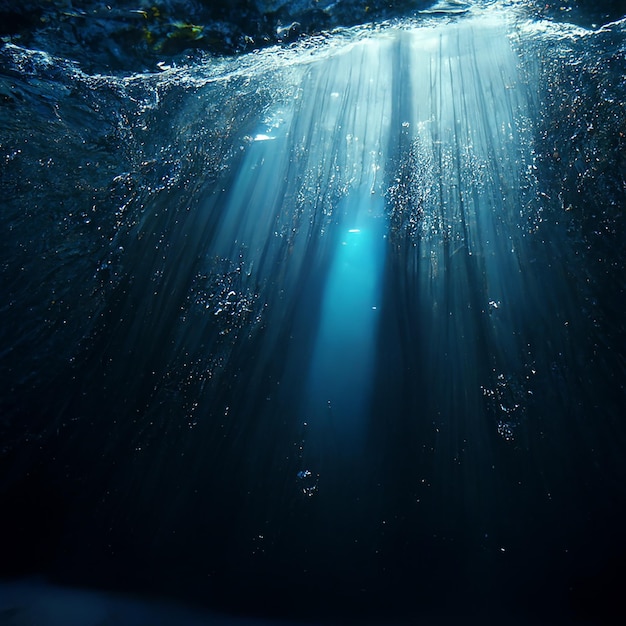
[438,111]
[308,200]
[342,367]
[340,375]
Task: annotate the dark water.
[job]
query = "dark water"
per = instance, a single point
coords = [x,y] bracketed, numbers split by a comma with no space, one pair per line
[329,332]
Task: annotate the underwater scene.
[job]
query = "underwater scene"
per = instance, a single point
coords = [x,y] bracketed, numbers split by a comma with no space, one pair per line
[312,312]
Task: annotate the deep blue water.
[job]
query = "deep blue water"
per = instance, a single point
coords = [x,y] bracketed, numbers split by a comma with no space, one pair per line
[330,332]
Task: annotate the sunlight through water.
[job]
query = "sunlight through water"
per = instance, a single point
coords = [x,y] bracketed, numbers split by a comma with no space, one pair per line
[328,331]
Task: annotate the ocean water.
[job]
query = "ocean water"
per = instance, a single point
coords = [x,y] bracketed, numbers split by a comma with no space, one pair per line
[331,332]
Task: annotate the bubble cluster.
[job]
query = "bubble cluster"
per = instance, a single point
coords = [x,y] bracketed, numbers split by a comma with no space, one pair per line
[507,401]
[308,482]
[410,193]
[227,297]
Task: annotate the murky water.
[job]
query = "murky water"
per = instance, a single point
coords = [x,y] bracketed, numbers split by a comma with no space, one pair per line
[331,331]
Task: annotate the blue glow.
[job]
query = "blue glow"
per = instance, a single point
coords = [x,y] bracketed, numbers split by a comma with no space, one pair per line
[340,375]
